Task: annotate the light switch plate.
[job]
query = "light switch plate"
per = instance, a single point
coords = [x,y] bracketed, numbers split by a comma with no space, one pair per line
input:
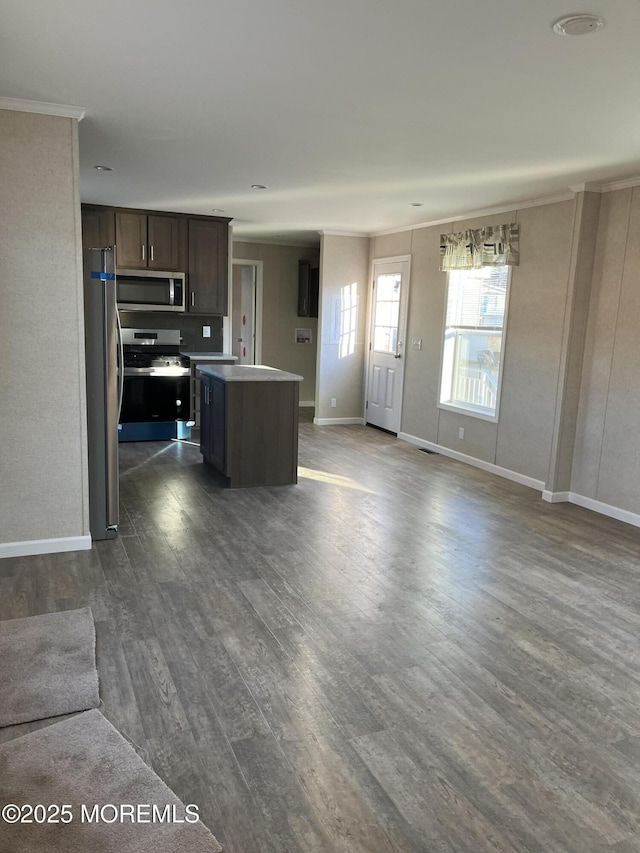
[206,331]
[416,343]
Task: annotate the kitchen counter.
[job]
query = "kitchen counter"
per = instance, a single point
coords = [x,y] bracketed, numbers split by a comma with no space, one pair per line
[249,373]
[208,356]
[249,423]
[196,359]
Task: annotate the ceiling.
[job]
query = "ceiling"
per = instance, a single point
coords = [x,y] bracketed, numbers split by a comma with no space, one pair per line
[348,110]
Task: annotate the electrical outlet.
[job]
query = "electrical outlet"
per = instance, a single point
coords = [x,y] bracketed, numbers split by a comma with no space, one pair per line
[206,331]
[461,432]
[334,402]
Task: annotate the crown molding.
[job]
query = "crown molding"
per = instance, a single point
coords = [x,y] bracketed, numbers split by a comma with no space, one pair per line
[42,108]
[487,211]
[328,233]
[623,184]
[587,186]
[305,244]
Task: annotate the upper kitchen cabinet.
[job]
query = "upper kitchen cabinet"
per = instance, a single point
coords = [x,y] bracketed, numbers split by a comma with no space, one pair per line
[208,266]
[147,241]
[175,242]
[98,227]
[308,289]
[163,236]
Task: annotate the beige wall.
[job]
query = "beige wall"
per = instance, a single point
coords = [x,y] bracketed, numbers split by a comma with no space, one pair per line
[343,262]
[606,465]
[43,454]
[280,310]
[522,439]
[585,227]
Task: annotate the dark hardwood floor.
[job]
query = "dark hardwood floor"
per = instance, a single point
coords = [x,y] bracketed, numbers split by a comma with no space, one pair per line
[401,653]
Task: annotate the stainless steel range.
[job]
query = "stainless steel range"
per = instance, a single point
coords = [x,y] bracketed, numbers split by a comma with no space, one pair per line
[155,403]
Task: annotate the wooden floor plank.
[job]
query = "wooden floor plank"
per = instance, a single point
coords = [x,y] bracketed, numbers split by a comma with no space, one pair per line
[401,653]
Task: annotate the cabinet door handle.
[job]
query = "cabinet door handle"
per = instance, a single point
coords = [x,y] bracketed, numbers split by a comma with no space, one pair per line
[193,299]
[151,252]
[143,251]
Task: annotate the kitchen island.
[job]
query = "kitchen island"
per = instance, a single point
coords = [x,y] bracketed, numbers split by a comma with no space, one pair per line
[196,359]
[249,423]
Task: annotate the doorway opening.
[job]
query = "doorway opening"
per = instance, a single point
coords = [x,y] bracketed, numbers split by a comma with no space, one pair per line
[245,327]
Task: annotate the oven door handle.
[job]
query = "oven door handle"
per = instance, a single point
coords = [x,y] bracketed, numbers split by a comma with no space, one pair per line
[158,372]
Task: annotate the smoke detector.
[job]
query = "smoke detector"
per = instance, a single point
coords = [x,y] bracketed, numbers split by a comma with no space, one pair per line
[578,25]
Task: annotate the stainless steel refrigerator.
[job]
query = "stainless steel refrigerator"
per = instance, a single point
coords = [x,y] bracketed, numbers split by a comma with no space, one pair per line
[103,348]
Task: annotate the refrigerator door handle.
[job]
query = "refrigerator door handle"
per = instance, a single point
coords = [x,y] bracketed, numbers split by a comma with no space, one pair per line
[120,364]
[112,379]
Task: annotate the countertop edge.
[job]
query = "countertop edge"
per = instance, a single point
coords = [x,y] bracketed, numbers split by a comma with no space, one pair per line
[208,356]
[249,373]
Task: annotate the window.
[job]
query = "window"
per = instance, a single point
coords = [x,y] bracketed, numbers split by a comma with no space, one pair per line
[387,312]
[473,334]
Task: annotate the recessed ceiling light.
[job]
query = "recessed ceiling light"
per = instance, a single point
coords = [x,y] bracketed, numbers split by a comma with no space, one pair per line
[103,168]
[259,187]
[578,25]
[416,204]
[217,210]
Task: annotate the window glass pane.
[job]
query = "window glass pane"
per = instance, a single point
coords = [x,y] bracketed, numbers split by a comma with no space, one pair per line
[387,312]
[477,297]
[472,352]
[476,368]
[385,338]
[388,287]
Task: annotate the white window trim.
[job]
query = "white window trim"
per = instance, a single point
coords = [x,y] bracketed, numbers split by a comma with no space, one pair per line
[461,409]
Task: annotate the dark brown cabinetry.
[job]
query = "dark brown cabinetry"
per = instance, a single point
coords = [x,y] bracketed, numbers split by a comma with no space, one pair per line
[308,289]
[163,241]
[144,239]
[208,266]
[249,430]
[98,227]
[212,423]
[147,241]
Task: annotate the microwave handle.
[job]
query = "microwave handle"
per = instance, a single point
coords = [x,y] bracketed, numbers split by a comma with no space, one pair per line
[172,291]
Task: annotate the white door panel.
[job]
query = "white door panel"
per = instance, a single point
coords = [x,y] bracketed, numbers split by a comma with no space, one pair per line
[390,386]
[386,347]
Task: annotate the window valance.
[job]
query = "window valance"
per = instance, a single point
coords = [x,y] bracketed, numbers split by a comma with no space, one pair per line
[491,246]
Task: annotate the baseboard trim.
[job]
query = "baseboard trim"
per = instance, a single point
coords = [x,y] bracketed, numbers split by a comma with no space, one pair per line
[556,497]
[506,473]
[306,403]
[337,421]
[45,546]
[605,509]
[551,497]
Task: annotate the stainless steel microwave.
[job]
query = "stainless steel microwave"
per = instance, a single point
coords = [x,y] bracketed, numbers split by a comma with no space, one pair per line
[150,290]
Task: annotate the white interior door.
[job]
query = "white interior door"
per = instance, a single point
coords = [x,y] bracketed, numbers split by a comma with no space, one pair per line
[386,343]
[243,313]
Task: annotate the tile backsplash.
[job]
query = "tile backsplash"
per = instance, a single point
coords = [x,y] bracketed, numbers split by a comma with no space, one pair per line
[190,327]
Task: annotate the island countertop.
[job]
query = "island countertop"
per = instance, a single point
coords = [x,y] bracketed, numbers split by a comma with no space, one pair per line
[208,356]
[248,373]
